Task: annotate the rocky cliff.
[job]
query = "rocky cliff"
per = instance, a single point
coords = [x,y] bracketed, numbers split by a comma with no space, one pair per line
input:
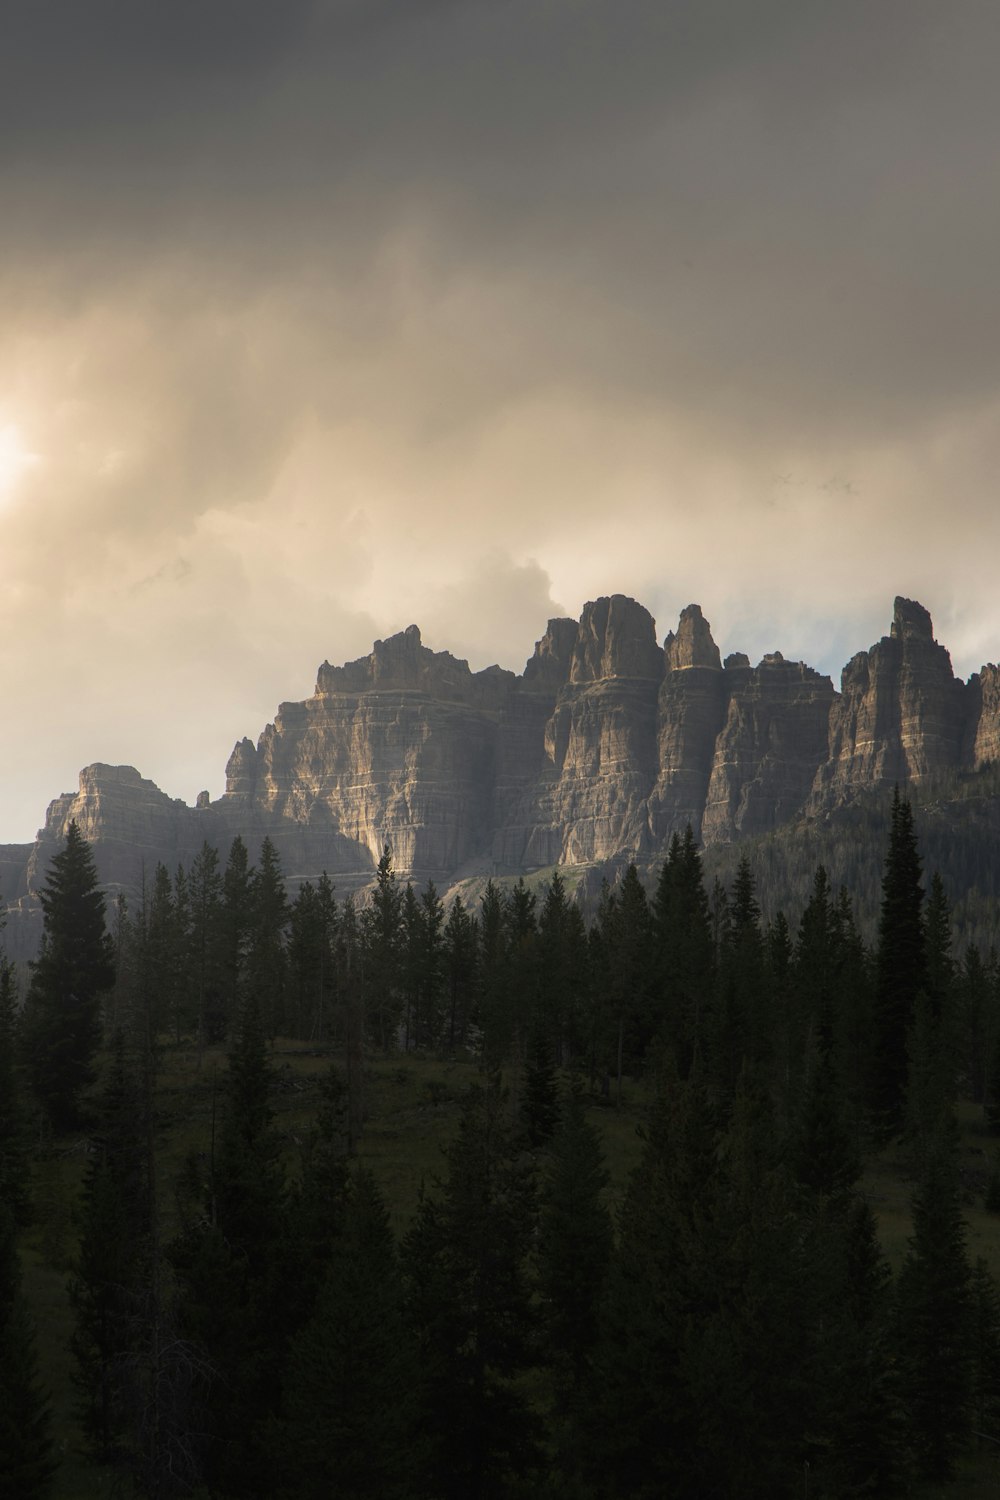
[605,746]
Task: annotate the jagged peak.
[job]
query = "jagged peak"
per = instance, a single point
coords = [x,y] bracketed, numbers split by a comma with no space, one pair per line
[692,645]
[549,665]
[616,637]
[910,621]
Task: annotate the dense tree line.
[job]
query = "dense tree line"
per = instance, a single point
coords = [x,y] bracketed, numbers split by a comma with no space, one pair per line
[732,1330]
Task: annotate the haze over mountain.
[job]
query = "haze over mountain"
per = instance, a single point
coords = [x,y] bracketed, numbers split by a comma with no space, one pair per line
[605,746]
[320,317]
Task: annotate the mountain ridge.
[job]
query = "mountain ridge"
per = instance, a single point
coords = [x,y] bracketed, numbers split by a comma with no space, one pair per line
[605,745]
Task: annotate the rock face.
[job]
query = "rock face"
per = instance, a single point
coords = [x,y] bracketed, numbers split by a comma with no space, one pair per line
[601,750]
[770,747]
[901,715]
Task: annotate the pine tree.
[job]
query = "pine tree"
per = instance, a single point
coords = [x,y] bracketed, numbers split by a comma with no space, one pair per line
[461,972]
[26,1457]
[826,1155]
[985,1353]
[351,988]
[312,966]
[317,1208]
[267,964]
[685,958]
[741,1030]
[494,1008]
[574,1244]
[933,1323]
[901,971]
[562,945]
[521,974]
[75,967]
[540,1098]
[112,1267]
[235,920]
[625,930]
[636,1431]
[349,1408]
[469,1304]
[164,945]
[230,1262]
[381,939]
[210,950]
[14,1153]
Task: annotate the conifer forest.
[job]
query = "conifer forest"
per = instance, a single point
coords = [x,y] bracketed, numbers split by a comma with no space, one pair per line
[303,1198]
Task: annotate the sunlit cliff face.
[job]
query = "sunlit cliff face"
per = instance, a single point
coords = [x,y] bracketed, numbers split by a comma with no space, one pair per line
[352,315]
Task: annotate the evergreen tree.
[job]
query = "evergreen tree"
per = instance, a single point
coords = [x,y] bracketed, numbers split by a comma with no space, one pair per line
[351,988]
[14,1154]
[979,1044]
[494,988]
[929,1085]
[267,965]
[540,1100]
[625,929]
[469,1304]
[26,1458]
[348,1425]
[933,1323]
[853,1017]
[573,1246]
[816,968]
[826,1155]
[317,1209]
[381,939]
[460,945]
[312,967]
[112,1267]
[430,968]
[230,1261]
[74,968]
[636,1429]
[235,920]
[685,958]
[211,949]
[164,945]
[741,1032]
[562,948]
[901,969]
[521,976]
[940,979]
[410,945]
[985,1354]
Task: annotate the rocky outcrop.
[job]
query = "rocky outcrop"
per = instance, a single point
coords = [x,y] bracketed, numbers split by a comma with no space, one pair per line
[590,799]
[983,718]
[901,716]
[769,749]
[399,747]
[691,711]
[601,750]
[130,822]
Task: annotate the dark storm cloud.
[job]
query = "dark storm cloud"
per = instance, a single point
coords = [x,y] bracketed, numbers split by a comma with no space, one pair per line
[322,316]
[743,204]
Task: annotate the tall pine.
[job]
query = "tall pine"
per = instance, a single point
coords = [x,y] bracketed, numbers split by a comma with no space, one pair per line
[74,969]
[901,968]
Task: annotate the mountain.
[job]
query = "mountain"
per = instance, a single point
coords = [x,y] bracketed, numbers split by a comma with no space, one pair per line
[597,753]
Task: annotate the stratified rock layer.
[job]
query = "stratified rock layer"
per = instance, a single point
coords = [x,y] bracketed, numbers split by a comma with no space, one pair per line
[599,752]
[901,715]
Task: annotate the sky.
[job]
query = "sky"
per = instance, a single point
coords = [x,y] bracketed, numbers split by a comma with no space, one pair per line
[324,317]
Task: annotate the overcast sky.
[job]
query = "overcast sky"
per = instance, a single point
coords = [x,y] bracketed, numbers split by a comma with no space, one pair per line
[321,317]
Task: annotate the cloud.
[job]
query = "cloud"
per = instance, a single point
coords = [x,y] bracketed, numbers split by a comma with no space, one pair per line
[325,317]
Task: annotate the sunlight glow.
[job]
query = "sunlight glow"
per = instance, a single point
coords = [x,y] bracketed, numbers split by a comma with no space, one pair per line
[14,458]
